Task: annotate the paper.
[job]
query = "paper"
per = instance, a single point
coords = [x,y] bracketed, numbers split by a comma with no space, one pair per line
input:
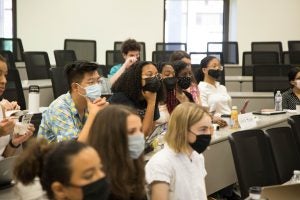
[247,120]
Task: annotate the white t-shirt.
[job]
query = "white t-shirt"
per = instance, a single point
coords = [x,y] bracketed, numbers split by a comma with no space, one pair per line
[4,140]
[215,98]
[164,114]
[184,175]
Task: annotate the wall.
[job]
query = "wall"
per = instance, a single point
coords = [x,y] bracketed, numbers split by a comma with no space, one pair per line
[44,24]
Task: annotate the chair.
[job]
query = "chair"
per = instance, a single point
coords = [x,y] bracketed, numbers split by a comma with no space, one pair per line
[247,66]
[294,57]
[103,71]
[37,65]
[59,81]
[10,59]
[64,57]
[268,78]
[171,46]
[284,149]
[253,160]
[113,57]
[265,57]
[286,58]
[84,49]
[229,49]
[268,46]
[118,45]
[14,45]
[14,90]
[294,122]
[161,56]
[294,45]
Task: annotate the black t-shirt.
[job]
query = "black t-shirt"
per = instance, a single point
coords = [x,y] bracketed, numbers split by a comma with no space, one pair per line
[140,106]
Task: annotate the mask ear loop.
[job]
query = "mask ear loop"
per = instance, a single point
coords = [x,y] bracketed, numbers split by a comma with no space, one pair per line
[83,95]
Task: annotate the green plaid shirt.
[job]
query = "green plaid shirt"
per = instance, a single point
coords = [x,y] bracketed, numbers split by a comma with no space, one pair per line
[61,120]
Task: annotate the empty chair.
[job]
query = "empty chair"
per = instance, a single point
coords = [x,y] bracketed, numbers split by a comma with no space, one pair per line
[118,45]
[229,49]
[294,122]
[103,71]
[10,59]
[84,49]
[37,65]
[286,58]
[247,66]
[59,81]
[294,57]
[268,46]
[253,160]
[14,90]
[14,45]
[63,57]
[161,56]
[265,57]
[286,155]
[112,58]
[170,46]
[294,45]
[268,78]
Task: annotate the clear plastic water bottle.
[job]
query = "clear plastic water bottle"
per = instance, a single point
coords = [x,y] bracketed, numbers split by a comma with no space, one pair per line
[278,101]
[254,193]
[296,177]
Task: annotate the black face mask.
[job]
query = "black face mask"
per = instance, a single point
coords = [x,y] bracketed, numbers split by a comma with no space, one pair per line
[201,143]
[184,82]
[152,84]
[214,73]
[170,83]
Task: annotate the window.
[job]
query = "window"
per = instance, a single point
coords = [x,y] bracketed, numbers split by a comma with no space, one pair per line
[6,18]
[194,22]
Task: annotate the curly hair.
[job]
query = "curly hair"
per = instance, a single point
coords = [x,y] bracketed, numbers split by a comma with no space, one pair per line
[130,45]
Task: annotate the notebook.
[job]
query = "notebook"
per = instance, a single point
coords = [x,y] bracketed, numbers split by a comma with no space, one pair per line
[157,131]
[281,192]
[6,171]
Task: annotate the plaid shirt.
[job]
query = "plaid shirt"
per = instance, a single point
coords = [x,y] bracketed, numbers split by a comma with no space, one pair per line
[61,120]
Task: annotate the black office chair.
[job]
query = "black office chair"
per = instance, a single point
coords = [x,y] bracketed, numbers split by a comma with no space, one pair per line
[247,66]
[113,57]
[14,89]
[59,81]
[286,57]
[294,45]
[229,49]
[103,71]
[170,46]
[118,45]
[294,122]
[84,49]
[64,57]
[265,57]
[10,59]
[161,56]
[268,78]
[37,65]
[286,155]
[253,160]
[14,45]
[294,57]
[268,46]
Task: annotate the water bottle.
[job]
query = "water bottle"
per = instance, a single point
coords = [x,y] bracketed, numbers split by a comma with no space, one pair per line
[296,177]
[254,193]
[234,118]
[34,99]
[278,101]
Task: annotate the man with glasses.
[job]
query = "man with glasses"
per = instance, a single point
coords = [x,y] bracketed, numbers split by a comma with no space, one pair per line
[71,115]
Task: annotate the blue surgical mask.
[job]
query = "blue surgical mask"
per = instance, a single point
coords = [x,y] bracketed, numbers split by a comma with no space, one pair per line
[93,91]
[136,145]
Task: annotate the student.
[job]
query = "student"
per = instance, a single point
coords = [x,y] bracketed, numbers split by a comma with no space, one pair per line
[67,170]
[178,171]
[140,88]
[291,97]
[9,142]
[131,53]
[117,136]
[71,115]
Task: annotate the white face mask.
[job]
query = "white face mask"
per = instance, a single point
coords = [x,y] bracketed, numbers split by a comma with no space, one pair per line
[136,145]
[93,91]
[297,84]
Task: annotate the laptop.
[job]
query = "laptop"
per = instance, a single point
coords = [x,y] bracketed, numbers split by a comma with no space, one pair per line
[6,171]
[281,192]
[268,112]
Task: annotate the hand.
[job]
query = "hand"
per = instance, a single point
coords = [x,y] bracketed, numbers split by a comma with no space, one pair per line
[218,120]
[129,61]
[19,139]
[10,105]
[149,96]
[96,105]
[6,126]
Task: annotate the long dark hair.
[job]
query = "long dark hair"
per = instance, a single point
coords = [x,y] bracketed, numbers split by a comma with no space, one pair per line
[108,135]
[50,162]
[203,64]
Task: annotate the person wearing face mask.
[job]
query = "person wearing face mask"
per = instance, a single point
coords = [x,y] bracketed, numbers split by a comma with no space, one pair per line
[117,137]
[71,115]
[178,171]
[66,170]
[291,97]
[140,87]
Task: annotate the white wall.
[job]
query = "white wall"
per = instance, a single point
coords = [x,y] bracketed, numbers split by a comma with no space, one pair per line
[44,24]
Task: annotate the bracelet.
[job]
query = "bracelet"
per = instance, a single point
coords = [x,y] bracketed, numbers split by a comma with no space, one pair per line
[12,145]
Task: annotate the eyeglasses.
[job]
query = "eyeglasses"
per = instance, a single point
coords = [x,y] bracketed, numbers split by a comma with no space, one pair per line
[158,76]
[220,67]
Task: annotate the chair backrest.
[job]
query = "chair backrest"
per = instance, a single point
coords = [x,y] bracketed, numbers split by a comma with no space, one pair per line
[247,66]
[268,46]
[118,45]
[84,49]
[113,57]
[170,46]
[294,57]
[37,65]
[286,57]
[268,78]
[14,45]
[14,90]
[161,56]
[253,160]
[265,57]
[64,57]
[103,71]
[10,59]
[294,122]
[286,155]
[294,45]
[59,81]
[229,49]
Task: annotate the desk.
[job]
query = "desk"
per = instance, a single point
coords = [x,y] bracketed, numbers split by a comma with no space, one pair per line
[233,70]
[239,83]
[22,70]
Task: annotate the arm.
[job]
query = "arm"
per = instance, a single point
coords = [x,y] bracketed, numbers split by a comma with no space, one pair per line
[159,190]
[129,61]
[6,126]
[148,121]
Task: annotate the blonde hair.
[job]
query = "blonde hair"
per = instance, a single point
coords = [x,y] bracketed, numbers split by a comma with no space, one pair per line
[182,118]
